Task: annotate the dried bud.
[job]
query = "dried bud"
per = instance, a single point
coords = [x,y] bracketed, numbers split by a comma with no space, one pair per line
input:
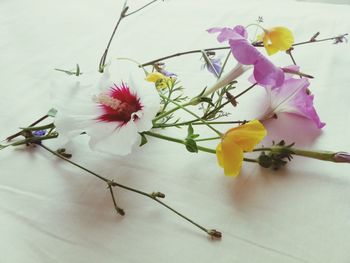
[341,157]
[158,194]
[215,234]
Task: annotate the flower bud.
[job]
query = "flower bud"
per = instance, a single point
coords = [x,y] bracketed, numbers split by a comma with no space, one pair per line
[341,157]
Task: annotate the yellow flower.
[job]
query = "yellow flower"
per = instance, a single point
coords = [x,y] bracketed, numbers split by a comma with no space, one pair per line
[161,81]
[276,39]
[235,141]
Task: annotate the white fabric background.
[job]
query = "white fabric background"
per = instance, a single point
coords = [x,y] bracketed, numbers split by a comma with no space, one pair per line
[53,212]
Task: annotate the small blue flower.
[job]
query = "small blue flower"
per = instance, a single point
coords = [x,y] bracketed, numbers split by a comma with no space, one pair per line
[39,133]
[217,66]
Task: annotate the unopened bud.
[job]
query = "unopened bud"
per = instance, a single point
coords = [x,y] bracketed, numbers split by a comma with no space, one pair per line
[341,157]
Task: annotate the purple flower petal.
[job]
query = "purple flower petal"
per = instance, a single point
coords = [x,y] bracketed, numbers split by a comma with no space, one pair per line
[265,72]
[216,62]
[292,97]
[168,74]
[226,33]
[305,104]
[243,53]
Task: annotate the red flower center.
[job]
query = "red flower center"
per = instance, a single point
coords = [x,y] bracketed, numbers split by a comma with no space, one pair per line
[118,105]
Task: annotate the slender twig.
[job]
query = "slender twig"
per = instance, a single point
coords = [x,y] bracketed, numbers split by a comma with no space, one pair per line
[119,210]
[123,15]
[104,56]
[289,52]
[229,101]
[195,122]
[137,10]
[154,196]
[256,44]
[208,62]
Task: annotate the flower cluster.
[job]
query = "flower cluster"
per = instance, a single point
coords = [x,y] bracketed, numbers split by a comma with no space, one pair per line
[118,115]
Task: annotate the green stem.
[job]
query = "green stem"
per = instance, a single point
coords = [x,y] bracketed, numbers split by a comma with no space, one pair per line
[38,128]
[164,114]
[208,61]
[195,115]
[319,155]
[208,139]
[194,122]
[35,139]
[172,139]
[224,64]
[201,148]
[31,125]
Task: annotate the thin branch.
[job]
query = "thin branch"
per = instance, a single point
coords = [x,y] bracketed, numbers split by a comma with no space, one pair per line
[256,44]
[154,196]
[119,210]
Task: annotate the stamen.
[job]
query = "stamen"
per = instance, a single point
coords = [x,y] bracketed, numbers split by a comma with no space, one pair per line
[108,101]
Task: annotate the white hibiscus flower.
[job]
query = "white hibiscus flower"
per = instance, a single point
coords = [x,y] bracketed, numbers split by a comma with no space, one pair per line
[111,114]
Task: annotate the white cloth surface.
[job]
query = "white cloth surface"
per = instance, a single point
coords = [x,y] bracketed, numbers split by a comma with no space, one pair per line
[51,211]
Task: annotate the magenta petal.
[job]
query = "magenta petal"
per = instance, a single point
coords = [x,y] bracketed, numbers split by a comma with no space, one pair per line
[266,73]
[292,97]
[291,67]
[241,31]
[226,33]
[243,52]
[305,104]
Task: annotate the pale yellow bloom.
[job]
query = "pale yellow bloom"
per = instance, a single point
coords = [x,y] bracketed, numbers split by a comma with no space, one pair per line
[276,39]
[161,81]
[235,142]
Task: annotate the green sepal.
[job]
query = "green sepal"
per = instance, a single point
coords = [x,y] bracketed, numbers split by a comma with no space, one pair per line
[143,139]
[191,145]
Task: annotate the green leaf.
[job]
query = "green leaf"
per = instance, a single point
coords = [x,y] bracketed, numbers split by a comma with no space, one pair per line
[207,100]
[194,136]
[3,146]
[143,139]
[77,72]
[202,92]
[189,130]
[52,112]
[191,146]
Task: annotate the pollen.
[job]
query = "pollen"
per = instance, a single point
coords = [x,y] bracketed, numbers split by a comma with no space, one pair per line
[108,101]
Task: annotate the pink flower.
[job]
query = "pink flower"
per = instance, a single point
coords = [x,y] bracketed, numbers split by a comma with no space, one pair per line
[265,72]
[292,97]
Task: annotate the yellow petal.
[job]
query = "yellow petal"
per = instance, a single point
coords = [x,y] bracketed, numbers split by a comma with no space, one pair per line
[276,39]
[232,157]
[248,135]
[282,38]
[154,77]
[219,155]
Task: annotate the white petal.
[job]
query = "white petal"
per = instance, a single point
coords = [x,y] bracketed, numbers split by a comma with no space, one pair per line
[149,99]
[107,138]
